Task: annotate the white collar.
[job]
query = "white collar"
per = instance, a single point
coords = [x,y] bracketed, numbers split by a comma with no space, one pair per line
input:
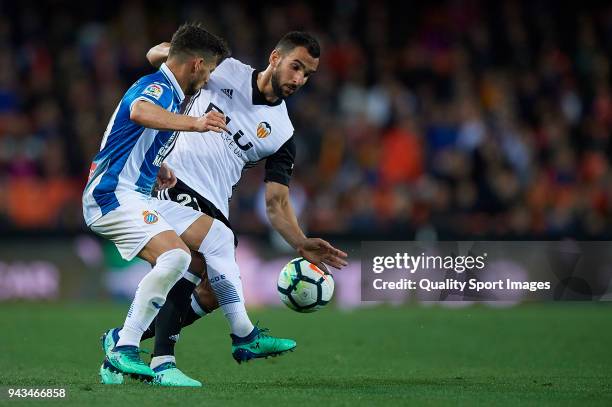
[177,88]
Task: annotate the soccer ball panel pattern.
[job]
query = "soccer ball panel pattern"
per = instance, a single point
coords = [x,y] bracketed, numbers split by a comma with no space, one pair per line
[304,287]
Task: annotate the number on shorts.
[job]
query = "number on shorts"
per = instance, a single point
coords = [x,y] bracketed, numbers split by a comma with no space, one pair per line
[188,200]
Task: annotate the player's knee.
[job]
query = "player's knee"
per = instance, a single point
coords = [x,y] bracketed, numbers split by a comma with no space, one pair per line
[218,241]
[183,259]
[174,263]
[226,236]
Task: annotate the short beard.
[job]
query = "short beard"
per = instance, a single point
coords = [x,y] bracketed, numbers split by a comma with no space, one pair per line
[191,89]
[276,86]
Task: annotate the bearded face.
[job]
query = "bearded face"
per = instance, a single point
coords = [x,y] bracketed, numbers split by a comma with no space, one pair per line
[292,71]
[282,90]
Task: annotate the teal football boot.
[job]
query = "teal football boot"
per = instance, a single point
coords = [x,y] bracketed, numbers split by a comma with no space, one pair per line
[110,375]
[167,374]
[126,359]
[109,340]
[258,344]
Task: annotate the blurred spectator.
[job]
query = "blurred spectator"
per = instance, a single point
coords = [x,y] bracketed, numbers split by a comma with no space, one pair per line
[465,118]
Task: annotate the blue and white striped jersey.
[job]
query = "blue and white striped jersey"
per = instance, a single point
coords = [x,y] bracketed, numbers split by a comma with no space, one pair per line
[130,155]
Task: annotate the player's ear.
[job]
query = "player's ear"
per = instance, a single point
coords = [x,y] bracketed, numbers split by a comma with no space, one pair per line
[275,57]
[197,64]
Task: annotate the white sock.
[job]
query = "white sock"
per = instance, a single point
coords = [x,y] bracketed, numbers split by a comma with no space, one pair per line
[160,360]
[151,294]
[224,275]
[239,322]
[192,277]
[195,306]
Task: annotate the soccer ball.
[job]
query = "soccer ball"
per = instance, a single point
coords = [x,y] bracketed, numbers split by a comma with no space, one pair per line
[304,287]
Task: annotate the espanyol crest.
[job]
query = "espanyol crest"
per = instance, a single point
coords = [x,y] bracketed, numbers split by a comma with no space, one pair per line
[149,217]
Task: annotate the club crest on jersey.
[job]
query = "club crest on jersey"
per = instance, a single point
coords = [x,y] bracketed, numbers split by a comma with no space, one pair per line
[263,130]
[149,217]
[154,90]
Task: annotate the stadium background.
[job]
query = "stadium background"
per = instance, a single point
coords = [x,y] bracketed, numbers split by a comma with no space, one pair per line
[427,120]
[467,118]
[437,120]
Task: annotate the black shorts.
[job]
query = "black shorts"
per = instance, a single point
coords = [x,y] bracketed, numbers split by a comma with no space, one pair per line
[184,195]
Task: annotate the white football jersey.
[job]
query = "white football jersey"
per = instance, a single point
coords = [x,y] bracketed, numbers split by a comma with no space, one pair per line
[211,163]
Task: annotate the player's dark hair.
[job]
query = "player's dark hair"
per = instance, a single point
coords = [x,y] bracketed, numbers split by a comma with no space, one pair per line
[191,39]
[299,39]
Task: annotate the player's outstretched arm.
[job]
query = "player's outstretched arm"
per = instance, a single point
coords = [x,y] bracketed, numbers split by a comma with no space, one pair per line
[283,219]
[152,116]
[158,54]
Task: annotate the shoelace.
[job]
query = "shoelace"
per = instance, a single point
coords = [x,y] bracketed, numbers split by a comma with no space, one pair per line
[263,332]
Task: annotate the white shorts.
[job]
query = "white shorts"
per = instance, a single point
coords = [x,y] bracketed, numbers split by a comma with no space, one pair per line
[139,218]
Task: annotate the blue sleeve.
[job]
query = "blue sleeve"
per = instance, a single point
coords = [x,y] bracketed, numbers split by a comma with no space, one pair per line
[155,92]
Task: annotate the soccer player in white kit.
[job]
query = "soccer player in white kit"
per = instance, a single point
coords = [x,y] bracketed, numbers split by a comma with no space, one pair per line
[207,168]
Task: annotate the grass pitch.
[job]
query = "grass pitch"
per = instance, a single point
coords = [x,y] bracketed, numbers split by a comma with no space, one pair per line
[553,354]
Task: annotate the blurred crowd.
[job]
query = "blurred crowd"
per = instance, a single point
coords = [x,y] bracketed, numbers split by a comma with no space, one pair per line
[454,119]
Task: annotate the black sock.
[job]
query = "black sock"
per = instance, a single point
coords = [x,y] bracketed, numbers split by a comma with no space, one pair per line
[189,317]
[150,332]
[169,319]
